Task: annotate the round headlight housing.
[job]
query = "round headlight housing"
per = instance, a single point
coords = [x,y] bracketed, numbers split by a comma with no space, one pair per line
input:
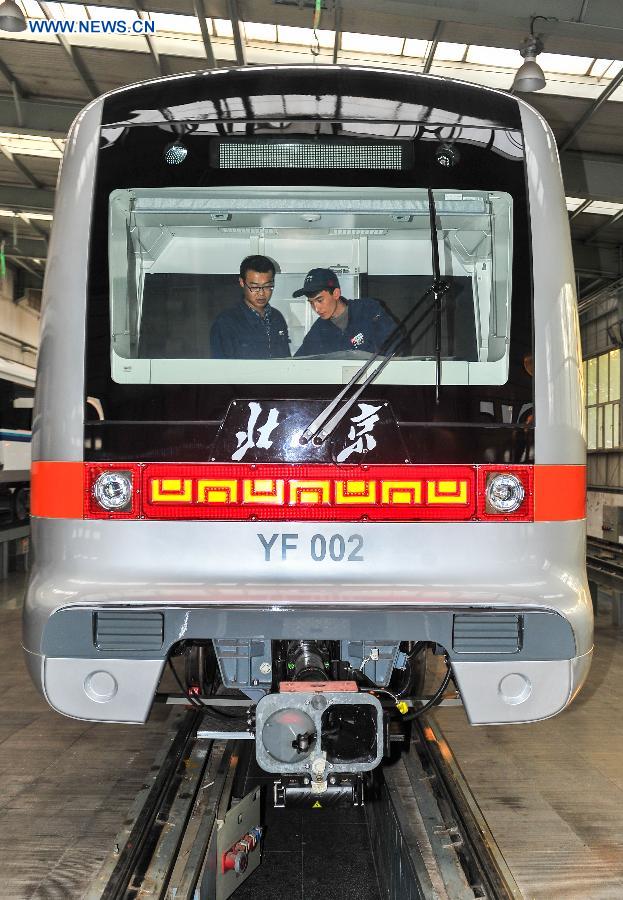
[113,490]
[447,156]
[505,493]
[175,154]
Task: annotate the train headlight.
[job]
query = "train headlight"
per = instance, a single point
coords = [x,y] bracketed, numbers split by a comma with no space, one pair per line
[113,490]
[175,154]
[447,156]
[505,493]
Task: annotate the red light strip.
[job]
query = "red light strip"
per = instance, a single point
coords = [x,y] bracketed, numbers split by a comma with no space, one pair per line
[273,492]
[554,493]
[309,493]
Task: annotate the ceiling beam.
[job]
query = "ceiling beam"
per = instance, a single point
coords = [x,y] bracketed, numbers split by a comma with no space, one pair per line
[594,176]
[18,260]
[151,44]
[17,90]
[21,167]
[597,258]
[43,234]
[25,199]
[27,247]
[430,56]
[11,78]
[73,55]
[580,209]
[241,50]
[611,221]
[205,34]
[601,24]
[51,118]
[590,112]
[337,27]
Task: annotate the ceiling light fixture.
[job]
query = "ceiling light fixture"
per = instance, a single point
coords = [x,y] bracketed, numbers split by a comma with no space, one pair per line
[11,17]
[529,76]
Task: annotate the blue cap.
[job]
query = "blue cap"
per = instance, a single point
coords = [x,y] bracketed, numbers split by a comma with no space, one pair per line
[318,280]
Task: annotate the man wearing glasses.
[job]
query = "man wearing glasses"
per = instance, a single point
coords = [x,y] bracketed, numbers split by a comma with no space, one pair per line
[252,329]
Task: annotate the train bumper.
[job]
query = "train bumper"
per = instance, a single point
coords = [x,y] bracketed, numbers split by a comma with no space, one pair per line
[519,691]
[104,690]
[494,693]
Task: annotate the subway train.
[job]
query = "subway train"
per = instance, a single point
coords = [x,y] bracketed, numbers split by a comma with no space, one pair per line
[301,529]
[17,383]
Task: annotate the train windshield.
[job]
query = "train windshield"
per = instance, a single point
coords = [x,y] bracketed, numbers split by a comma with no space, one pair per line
[174,257]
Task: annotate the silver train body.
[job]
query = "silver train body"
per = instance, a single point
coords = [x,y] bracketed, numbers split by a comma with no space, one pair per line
[108,598]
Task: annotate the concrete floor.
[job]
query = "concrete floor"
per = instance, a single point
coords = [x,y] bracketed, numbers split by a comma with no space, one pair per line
[552,792]
[65,786]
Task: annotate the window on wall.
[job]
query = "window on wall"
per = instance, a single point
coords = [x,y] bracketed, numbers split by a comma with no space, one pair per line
[602,377]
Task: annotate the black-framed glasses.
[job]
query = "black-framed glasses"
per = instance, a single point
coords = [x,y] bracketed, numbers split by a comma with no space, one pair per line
[257,288]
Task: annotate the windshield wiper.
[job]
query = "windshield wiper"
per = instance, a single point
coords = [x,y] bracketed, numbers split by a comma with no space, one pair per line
[437,289]
[317,430]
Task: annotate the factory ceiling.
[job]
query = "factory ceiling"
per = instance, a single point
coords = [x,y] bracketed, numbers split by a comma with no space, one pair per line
[47,76]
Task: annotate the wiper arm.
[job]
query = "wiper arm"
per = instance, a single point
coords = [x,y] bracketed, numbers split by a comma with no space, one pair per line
[388,350]
[395,338]
[437,289]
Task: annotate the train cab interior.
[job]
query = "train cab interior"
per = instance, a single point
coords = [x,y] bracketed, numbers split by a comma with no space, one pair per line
[174,256]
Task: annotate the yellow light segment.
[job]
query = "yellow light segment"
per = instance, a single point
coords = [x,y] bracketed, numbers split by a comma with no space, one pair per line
[446,492]
[223,490]
[351,492]
[171,490]
[312,493]
[401,492]
[263,490]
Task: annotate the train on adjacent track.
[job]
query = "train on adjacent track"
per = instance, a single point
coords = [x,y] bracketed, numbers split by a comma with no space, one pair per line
[17,384]
[302,528]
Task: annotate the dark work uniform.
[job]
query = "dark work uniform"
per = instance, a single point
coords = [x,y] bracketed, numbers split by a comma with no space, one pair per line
[241,333]
[368,327]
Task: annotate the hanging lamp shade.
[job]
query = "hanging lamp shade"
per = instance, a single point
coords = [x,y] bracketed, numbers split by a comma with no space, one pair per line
[11,17]
[529,76]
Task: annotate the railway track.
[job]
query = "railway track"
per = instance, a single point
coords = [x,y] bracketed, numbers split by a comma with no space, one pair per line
[426,834]
[604,562]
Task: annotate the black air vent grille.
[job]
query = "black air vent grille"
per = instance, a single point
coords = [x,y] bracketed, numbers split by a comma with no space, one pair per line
[129,630]
[486,633]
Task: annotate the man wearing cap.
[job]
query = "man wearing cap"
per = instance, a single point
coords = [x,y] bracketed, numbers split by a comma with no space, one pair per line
[342,325]
[252,329]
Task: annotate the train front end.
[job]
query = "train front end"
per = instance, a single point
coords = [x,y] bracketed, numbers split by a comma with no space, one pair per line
[185,504]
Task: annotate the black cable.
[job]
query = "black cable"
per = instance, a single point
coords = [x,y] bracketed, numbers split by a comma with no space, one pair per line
[417,648]
[193,700]
[416,713]
[225,715]
[198,702]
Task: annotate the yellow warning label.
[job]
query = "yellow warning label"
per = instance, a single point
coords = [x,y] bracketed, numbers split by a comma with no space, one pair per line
[317,805]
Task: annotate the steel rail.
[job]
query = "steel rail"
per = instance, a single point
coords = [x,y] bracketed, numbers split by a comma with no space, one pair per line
[429,834]
[429,838]
[484,854]
[604,561]
[211,807]
[113,879]
[172,820]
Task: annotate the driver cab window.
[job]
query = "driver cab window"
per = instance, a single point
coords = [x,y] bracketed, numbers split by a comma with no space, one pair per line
[175,255]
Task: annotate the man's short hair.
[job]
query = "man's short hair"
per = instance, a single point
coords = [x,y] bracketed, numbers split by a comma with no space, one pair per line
[256,264]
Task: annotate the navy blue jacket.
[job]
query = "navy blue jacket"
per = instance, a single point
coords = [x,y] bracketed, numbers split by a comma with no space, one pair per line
[368,327]
[241,333]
